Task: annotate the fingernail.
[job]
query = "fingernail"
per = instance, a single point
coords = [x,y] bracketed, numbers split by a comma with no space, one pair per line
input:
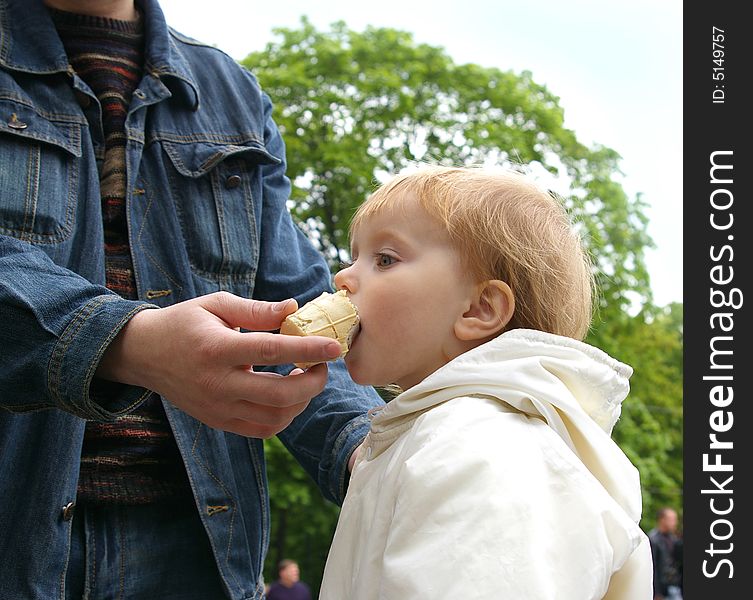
[296,371]
[333,349]
[280,306]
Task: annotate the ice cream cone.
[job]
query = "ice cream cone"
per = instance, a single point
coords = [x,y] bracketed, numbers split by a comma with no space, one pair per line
[329,315]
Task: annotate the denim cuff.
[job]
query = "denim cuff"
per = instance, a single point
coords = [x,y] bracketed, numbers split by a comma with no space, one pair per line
[77,354]
[349,439]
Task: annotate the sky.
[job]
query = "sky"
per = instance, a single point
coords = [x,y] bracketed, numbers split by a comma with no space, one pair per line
[616,66]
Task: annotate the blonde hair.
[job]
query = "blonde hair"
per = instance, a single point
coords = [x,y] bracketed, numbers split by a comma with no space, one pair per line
[505,227]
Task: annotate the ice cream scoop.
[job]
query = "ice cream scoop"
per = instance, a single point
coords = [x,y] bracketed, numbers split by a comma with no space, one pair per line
[330,315]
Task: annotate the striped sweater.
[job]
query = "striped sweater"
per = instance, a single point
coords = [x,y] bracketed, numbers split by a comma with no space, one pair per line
[134,459]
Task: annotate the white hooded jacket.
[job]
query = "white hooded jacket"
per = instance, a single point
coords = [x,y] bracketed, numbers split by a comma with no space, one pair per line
[496,478]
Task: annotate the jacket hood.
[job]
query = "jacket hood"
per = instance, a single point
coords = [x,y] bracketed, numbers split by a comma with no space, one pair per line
[575,388]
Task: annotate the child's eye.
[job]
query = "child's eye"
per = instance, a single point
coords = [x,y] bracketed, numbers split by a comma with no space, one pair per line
[345,264]
[384,260]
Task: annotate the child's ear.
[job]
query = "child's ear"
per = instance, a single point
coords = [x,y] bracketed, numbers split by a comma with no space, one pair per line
[491,309]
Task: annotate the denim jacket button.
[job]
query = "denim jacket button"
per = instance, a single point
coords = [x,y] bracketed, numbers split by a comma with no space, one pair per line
[233,182]
[14,123]
[68,511]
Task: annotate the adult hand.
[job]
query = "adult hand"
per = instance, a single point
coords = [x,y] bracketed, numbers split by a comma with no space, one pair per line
[193,354]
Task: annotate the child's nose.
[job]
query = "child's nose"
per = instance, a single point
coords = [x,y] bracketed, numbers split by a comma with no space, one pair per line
[344,280]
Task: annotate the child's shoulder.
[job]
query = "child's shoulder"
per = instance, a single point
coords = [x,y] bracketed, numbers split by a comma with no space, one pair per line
[478,426]
[475,417]
[488,434]
[471,445]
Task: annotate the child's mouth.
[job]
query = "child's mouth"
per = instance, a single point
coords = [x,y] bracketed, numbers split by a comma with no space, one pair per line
[353,335]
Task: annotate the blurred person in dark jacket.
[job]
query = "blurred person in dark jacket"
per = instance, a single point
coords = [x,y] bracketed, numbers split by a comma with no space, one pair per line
[666,548]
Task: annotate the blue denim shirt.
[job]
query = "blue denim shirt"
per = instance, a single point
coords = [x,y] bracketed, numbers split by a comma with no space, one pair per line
[197,123]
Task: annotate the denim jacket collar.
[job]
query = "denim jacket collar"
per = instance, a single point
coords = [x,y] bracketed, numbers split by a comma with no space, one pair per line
[23,23]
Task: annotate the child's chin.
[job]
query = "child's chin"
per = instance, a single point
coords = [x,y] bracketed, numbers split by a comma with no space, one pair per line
[359,378]
[358,375]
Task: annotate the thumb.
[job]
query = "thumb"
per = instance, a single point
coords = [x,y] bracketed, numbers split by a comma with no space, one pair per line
[255,315]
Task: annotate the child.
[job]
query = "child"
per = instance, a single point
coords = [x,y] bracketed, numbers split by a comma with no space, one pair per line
[492,475]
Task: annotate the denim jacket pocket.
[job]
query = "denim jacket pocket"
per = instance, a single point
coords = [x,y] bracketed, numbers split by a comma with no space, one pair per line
[214,186]
[39,170]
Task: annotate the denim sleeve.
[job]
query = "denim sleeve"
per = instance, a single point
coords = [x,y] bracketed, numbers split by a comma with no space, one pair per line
[289,265]
[54,328]
[323,437]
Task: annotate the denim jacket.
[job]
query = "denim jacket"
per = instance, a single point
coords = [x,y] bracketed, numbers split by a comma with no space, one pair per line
[206,202]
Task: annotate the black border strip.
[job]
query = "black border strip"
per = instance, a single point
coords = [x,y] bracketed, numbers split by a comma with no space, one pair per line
[717,193]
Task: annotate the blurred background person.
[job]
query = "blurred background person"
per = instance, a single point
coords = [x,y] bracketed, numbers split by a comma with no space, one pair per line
[288,585]
[666,548]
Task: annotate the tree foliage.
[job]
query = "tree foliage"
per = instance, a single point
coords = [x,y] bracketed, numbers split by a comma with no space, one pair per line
[356,106]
